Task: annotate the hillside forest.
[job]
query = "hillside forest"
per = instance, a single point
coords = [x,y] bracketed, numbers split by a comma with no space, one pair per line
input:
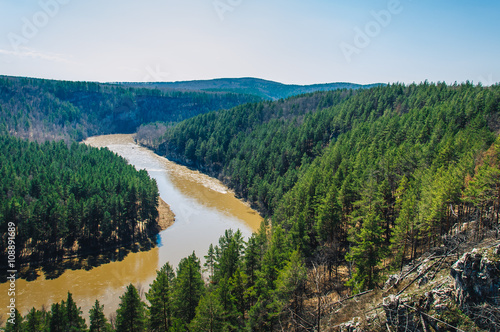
[72,200]
[68,199]
[40,110]
[354,184]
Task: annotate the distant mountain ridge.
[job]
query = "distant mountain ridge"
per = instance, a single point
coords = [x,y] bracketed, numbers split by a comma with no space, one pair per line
[40,109]
[249,85]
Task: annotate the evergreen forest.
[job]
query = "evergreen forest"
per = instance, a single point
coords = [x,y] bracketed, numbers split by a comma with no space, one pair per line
[354,185]
[38,109]
[67,200]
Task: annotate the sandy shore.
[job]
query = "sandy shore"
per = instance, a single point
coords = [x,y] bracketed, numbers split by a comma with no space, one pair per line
[166,217]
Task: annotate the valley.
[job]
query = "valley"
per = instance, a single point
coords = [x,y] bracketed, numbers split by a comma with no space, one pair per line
[253,166]
[355,185]
[203,210]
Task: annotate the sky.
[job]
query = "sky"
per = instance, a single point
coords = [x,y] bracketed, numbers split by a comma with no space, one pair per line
[292,41]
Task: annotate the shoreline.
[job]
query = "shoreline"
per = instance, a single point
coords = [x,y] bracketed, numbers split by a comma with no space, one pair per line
[180,163]
[166,217]
[203,211]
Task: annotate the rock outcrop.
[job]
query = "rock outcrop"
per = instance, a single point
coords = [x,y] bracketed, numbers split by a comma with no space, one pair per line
[477,286]
[469,300]
[418,313]
[477,278]
[466,299]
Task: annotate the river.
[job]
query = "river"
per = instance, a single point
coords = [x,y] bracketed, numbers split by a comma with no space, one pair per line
[204,208]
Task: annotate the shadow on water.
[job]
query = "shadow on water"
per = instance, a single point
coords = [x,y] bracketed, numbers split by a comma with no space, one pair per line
[55,268]
[159,242]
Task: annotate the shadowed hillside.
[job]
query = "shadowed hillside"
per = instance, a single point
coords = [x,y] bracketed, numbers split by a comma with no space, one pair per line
[248,85]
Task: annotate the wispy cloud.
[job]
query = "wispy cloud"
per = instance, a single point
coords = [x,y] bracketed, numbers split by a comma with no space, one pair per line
[26,52]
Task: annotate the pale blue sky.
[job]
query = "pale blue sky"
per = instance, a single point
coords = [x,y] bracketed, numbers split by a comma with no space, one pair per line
[289,41]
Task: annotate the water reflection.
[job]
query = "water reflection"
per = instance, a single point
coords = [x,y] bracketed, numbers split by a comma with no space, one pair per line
[204,209]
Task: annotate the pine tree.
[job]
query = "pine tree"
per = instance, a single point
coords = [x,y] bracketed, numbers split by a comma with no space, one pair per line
[130,316]
[254,252]
[483,189]
[237,287]
[57,318]
[227,300]
[290,284]
[264,313]
[160,299]
[98,321]
[15,325]
[405,231]
[210,261]
[35,321]
[228,254]
[74,320]
[189,288]
[366,253]
[275,257]
[366,236]
[328,218]
[209,315]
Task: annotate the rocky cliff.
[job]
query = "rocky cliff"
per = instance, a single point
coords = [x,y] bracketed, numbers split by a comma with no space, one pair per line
[438,294]
[477,286]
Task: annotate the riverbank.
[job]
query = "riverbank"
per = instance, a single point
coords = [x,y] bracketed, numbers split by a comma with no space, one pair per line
[202,173]
[166,217]
[203,210]
[165,214]
[79,258]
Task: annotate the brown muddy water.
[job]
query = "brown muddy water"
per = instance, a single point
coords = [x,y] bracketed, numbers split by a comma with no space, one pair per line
[204,208]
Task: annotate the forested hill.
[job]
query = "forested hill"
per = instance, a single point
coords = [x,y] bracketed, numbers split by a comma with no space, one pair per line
[254,144]
[72,200]
[356,185]
[249,85]
[49,110]
[322,163]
